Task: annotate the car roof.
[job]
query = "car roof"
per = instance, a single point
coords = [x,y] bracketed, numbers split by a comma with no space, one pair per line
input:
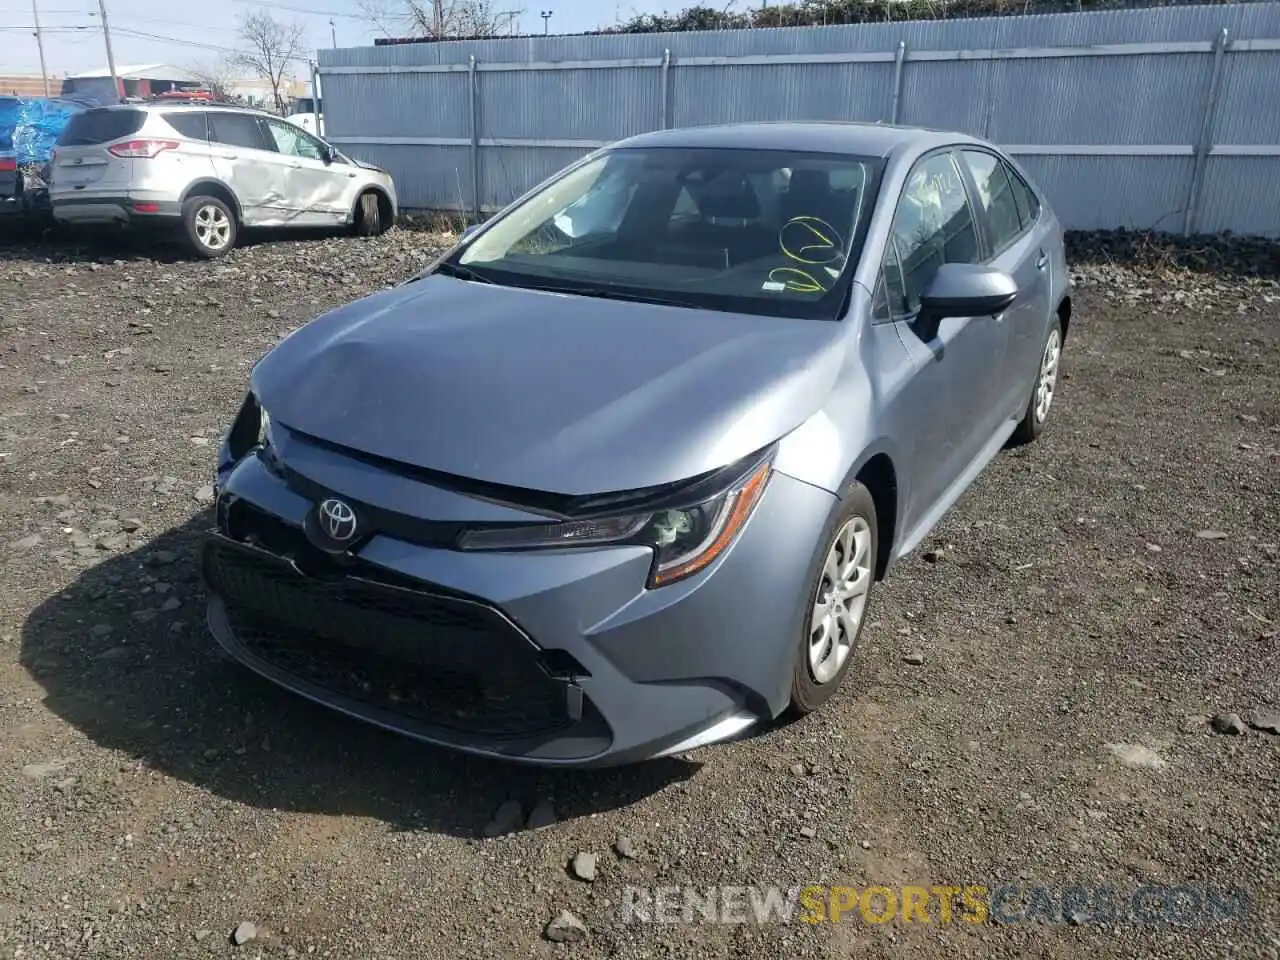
[179,106]
[822,136]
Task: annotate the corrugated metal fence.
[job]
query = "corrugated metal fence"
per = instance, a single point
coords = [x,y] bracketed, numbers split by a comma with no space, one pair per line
[1165,118]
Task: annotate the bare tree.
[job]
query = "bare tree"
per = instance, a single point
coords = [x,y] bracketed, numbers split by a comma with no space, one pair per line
[216,76]
[270,49]
[441,19]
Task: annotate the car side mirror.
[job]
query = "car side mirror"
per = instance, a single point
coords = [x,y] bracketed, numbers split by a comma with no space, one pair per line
[964,290]
[469,229]
[330,153]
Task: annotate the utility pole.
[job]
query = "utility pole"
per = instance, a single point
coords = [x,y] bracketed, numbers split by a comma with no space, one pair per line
[111,58]
[333,34]
[546,21]
[438,7]
[44,73]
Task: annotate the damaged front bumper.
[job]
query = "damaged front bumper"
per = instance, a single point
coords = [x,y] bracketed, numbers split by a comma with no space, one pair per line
[558,657]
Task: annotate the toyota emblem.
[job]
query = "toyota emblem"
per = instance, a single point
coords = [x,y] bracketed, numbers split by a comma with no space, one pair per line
[338,520]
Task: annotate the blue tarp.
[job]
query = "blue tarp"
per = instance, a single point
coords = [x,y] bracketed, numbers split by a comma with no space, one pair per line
[30,126]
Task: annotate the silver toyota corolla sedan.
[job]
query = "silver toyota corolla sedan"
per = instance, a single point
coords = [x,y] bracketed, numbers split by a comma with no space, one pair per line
[616,476]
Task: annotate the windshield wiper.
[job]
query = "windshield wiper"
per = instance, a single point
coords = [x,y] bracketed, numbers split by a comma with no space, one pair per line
[609,293]
[461,272]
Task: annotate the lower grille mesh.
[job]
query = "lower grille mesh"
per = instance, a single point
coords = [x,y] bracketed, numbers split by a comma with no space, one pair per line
[442,661]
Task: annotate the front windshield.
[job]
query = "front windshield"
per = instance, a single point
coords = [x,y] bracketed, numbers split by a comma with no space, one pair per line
[759,231]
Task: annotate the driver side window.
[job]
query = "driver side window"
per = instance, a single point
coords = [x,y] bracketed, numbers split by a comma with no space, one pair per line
[294,142]
[933,225]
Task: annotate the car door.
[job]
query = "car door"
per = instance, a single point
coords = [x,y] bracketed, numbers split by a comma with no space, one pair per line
[952,412]
[315,189]
[1017,248]
[245,161]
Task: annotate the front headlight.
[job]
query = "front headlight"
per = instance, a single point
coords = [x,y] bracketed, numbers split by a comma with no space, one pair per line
[251,430]
[684,539]
[264,427]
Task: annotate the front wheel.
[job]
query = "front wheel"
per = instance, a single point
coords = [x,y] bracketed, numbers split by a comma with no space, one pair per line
[369,216]
[1037,412]
[210,226]
[839,588]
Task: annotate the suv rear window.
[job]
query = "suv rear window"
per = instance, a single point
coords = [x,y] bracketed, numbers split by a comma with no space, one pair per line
[190,125]
[237,130]
[100,126]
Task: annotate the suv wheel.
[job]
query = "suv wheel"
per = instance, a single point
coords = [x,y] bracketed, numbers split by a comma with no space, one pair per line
[210,226]
[369,216]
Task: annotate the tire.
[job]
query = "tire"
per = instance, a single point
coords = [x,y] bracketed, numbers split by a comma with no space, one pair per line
[852,524]
[209,226]
[368,216]
[1036,414]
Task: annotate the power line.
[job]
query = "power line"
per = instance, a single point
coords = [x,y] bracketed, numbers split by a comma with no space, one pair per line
[292,9]
[31,27]
[177,23]
[142,35]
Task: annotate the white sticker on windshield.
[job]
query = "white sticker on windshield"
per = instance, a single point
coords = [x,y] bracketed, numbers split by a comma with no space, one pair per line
[773,286]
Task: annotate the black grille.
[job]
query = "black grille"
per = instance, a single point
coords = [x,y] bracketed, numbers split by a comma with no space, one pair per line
[443,661]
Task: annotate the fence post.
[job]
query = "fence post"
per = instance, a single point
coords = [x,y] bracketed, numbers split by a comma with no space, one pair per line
[472,105]
[315,98]
[664,112]
[1205,141]
[899,56]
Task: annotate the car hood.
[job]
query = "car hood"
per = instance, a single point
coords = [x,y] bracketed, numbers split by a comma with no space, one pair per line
[548,392]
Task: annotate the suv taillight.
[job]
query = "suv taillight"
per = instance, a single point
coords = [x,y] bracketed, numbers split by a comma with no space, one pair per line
[143,149]
[8,164]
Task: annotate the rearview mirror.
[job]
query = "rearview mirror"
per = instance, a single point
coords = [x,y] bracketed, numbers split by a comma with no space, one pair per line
[964,290]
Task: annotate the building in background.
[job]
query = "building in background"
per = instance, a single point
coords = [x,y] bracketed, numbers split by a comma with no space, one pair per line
[136,80]
[257,92]
[27,85]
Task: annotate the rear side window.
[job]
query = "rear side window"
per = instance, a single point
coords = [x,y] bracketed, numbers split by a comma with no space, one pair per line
[1028,203]
[995,197]
[193,126]
[237,130]
[100,126]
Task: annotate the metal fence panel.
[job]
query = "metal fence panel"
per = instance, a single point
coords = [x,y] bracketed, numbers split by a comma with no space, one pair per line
[621,102]
[1111,111]
[1095,100]
[1249,109]
[1240,195]
[853,91]
[1100,193]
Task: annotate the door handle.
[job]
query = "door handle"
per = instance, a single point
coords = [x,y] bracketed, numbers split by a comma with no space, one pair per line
[230,156]
[1043,261]
[296,165]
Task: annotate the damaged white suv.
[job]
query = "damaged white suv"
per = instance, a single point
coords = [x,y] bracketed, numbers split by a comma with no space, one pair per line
[211,170]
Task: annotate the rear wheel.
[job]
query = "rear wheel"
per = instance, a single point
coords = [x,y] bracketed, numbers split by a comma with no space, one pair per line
[1037,412]
[210,226]
[369,216]
[839,589]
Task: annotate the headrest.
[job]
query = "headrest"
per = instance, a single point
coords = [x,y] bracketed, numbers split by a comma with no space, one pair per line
[810,185]
[728,199]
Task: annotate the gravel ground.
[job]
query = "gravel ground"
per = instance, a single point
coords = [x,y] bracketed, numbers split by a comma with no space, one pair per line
[1031,705]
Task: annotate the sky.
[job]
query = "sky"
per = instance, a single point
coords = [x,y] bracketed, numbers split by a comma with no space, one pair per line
[191,34]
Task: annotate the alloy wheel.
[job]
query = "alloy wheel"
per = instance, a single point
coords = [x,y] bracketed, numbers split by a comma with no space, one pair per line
[841,600]
[213,228]
[1048,379]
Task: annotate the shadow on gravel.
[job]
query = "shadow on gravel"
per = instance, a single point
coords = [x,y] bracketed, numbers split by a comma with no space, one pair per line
[151,683]
[44,240]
